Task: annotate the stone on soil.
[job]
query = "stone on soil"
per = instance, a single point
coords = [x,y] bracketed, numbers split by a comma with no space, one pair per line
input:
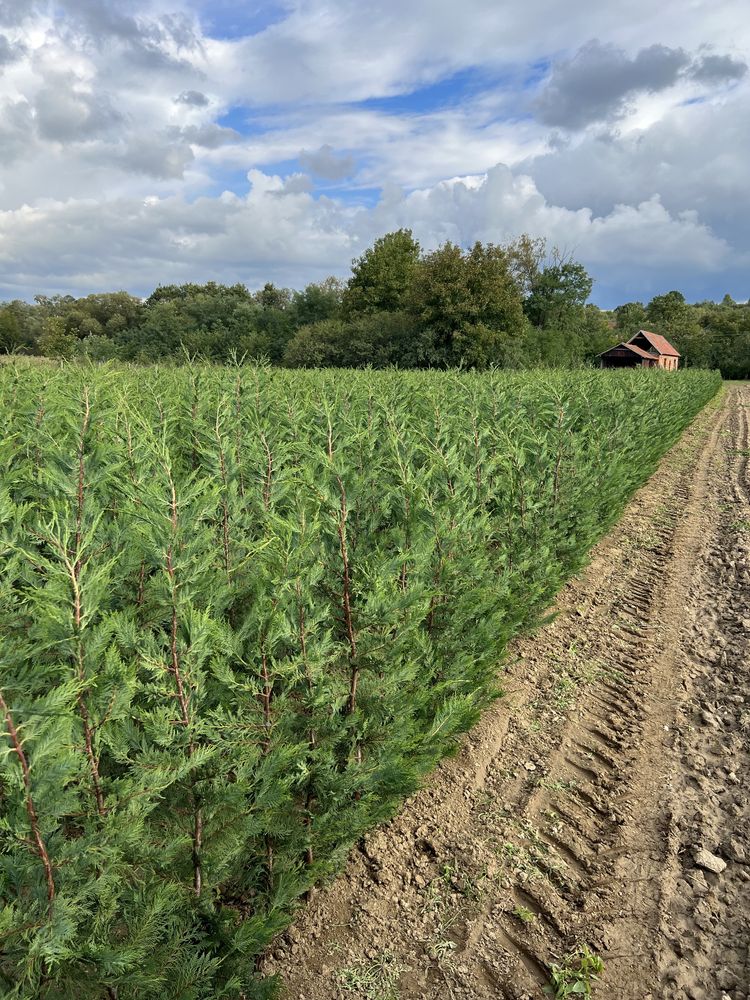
[704,859]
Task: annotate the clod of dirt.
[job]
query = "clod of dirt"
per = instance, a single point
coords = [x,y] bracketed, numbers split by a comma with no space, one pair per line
[704,859]
[736,852]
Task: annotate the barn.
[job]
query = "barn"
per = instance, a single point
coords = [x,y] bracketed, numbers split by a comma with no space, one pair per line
[644,350]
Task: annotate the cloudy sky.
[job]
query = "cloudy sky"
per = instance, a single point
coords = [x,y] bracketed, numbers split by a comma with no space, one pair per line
[153,141]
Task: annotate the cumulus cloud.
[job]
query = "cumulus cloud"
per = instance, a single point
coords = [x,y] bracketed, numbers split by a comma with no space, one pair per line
[115,119]
[152,40]
[325,163]
[209,136]
[14,12]
[10,51]
[16,130]
[716,69]
[596,83]
[319,51]
[278,231]
[193,98]
[65,113]
[600,81]
[694,159]
[161,157]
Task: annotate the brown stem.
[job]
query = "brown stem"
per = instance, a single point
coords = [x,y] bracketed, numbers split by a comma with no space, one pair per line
[238,433]
[197,845]
[224,507]
[522,497]
[176,670]
[558,460]
[312,741]
[434,599]
[266,696]
[346,598]
[82,471]
[269,473]
[38,451]
[30,809]
[193,421]
[477,461]
[73,569]
[88,736]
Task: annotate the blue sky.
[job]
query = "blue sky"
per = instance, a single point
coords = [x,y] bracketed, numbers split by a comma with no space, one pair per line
[229,19]
[176,140]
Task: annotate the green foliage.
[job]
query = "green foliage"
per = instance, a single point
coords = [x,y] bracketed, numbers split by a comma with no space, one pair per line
[375,340]
[317,302]
[16,327]
[55,341]
[468,303]
[382,277]
[510,306]
[576,975]
[242,612]
[557,297]
[629,319]
[671,316]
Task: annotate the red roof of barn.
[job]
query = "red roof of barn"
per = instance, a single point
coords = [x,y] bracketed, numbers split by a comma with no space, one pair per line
[659,343]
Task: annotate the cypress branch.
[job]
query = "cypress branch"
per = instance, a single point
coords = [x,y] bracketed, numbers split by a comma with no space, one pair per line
[17,746]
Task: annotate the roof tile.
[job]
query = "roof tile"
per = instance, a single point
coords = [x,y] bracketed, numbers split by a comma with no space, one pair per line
[661,344]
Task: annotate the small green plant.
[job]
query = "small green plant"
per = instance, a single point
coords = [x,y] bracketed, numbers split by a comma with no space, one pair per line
[441,951]
[558,785]
[575,977]
[524,914]
[471,886]
[565,691]
[373,980]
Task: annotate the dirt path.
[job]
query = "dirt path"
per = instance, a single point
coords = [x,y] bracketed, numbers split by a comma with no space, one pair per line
[598,800]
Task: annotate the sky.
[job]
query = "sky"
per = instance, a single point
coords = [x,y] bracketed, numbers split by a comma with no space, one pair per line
[144,143]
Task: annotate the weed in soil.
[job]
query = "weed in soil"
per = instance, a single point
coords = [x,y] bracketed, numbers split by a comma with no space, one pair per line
[373,980]
[524,914]
[575,977]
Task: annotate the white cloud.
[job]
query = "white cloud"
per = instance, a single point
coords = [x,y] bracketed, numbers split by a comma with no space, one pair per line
[364,50]
[694,158]
[113,148]
[278,231]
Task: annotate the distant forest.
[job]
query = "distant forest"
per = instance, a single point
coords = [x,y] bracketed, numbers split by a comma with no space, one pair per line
[515,305]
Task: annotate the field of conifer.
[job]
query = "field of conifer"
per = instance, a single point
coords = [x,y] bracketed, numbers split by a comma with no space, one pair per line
[243,611]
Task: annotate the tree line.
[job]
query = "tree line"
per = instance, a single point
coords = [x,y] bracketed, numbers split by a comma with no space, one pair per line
[514,305]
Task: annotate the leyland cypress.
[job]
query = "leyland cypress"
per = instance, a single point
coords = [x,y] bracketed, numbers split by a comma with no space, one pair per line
[243,611]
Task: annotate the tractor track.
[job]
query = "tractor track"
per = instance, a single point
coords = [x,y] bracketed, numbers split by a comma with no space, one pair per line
[574,810]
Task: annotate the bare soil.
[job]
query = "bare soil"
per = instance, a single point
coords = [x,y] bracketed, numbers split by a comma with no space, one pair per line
[604,800]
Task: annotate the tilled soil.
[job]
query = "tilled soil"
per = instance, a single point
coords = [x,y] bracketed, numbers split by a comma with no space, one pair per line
[603,802]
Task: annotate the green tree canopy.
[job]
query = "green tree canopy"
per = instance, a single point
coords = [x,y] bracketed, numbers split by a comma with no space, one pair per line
[630,317]
[558,295]
[468,301]
[382,277]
